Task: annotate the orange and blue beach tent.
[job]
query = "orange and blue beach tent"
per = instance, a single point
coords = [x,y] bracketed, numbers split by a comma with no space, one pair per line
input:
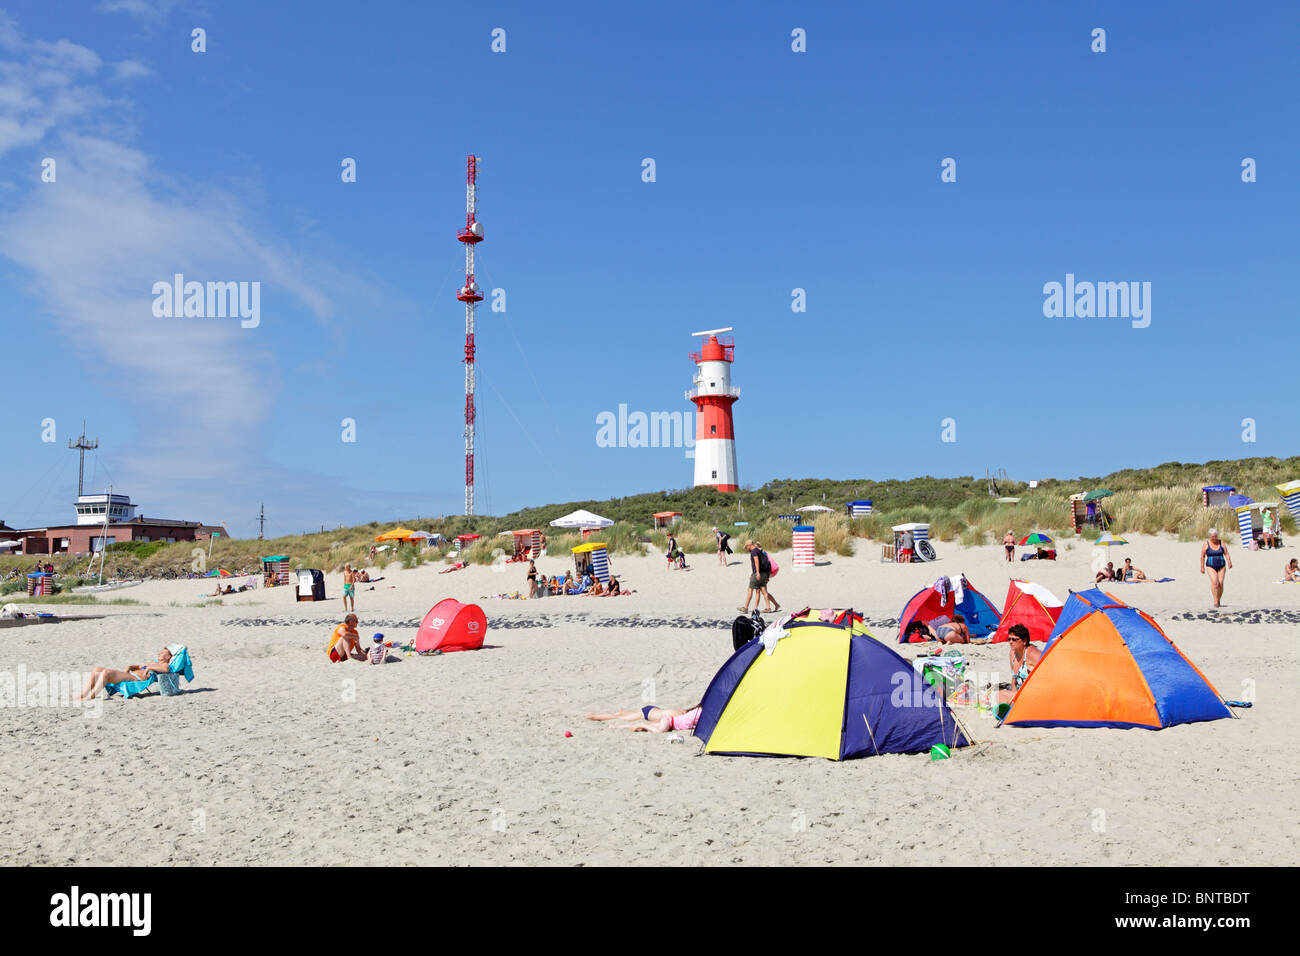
[1110,665]
[827,689]
[930,604]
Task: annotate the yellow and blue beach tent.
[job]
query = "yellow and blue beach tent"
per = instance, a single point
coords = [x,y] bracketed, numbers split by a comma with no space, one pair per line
[827,689]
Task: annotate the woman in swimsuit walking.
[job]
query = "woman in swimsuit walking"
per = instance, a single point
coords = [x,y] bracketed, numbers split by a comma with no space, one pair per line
[1214,556]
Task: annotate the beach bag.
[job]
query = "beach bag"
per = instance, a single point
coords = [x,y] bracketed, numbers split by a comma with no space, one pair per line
[743,630]
[169,684]
[774,566]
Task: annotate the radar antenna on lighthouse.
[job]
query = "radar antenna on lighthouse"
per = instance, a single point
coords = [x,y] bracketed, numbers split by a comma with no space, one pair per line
[471,235]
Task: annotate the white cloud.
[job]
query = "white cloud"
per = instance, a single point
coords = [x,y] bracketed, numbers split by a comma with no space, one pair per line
[151,10]
[130,70]
[93,243]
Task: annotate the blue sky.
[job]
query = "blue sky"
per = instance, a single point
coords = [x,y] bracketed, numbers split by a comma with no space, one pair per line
[775,170]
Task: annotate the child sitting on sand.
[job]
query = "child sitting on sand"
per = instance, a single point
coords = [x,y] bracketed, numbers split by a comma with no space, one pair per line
[378,653]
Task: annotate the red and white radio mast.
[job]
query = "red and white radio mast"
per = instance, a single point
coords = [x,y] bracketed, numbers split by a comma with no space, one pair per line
[471,235]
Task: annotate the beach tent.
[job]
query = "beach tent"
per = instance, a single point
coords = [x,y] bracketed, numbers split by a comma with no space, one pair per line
[1033,606]
[451,626]
[858,509]
[932,604]
[1079,605]
[396,534]
[1236,501]
[1290,493]
[1113,667]
[584,520]
[1216,496]
[827,689]
[665,518]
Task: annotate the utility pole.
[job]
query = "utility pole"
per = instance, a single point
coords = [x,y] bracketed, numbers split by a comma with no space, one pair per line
[261,521]
[82,446]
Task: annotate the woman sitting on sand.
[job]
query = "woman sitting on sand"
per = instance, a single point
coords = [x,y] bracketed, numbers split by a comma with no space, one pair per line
[1024,658]
[1131,573]
[106,675]
[614,589]
[597,589]
[1292,571]
[1107,573]
[654,720]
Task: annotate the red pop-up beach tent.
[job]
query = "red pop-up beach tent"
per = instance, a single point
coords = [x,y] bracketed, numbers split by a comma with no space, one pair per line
[451,626]
[1032,605]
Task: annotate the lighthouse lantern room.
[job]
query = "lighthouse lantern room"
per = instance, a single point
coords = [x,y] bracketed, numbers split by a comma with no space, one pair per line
[713,395]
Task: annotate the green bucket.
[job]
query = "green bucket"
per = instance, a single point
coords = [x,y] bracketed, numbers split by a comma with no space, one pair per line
[940,752]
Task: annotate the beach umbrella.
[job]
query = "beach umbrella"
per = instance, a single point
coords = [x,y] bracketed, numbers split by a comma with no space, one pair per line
[1109,539]
[1036,538]
[1098,493]
[814,508]
[219,573]
[397,534]
[581,519]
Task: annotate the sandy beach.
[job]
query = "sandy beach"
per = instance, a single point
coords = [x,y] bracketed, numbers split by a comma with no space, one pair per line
[275,756]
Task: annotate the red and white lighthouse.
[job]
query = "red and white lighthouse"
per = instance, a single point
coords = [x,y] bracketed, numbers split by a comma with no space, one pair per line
[713,395]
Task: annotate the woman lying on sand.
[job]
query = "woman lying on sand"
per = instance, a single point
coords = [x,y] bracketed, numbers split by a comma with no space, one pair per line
[955,633]
[106,675]
[654,720]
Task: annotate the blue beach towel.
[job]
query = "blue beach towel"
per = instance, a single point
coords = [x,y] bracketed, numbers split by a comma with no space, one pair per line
[180,664]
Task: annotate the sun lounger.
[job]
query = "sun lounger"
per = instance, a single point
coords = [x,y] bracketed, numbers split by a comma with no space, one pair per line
[180,664]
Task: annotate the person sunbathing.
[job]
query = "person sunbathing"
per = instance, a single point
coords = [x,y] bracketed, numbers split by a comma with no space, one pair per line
[100,676]
[955,632]
[654,720]
[614,590]
[581,587]
[1107,573]
[1024,658]
[597,589]
[1292,571]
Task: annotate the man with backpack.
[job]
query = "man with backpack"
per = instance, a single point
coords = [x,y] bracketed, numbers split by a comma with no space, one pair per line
[760,569]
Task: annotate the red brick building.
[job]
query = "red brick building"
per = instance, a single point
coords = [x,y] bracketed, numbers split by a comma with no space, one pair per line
[83,539]
[85,536]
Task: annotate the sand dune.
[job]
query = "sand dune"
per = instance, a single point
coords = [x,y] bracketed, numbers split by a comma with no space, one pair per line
[277,757]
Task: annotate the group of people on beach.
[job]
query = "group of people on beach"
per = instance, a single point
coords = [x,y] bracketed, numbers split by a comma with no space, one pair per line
[586,585]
